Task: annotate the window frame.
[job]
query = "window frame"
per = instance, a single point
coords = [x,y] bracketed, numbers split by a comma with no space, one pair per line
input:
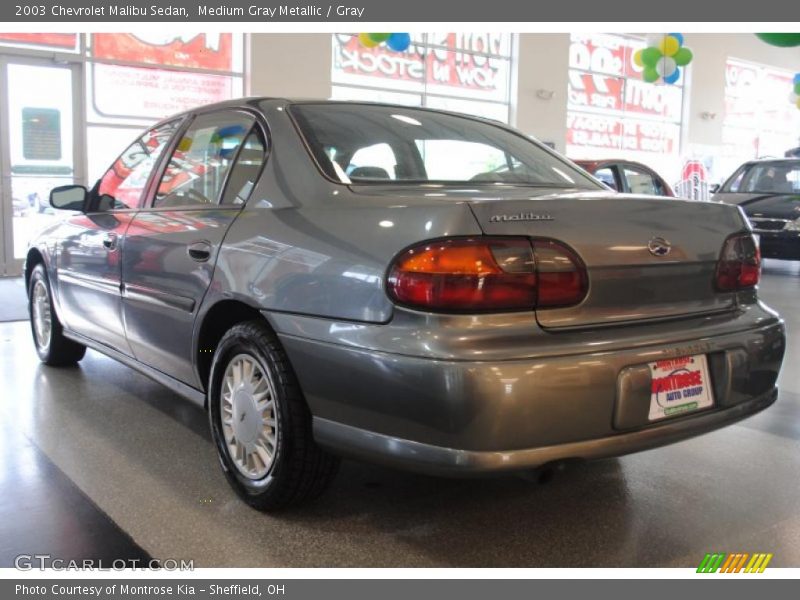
[619,184]
[500,125]
[625,167]
[216,205]
[93,192]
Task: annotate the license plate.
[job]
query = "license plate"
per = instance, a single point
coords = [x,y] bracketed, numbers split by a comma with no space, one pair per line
[679,386]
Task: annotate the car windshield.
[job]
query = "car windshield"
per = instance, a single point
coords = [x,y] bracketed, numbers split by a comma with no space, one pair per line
[363,143]
[779,177]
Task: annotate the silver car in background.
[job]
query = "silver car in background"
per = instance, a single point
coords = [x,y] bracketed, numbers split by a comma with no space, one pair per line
[418,288]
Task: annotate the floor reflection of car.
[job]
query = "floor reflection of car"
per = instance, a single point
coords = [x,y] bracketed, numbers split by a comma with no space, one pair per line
[627,176]
[769,192]
[401,285]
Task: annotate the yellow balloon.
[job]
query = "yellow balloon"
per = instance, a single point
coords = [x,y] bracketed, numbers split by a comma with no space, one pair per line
[669,45]
[637,58]
[366,41]
[798,103]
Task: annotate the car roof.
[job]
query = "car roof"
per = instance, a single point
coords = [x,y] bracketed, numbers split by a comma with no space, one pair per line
[595,162]
[777,160]
[255,101]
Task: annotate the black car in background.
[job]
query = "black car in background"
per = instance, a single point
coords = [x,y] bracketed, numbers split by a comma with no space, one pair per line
[769,192]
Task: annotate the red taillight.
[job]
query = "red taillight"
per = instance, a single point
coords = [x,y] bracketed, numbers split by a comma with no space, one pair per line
[739,265]
[562,276]
[487,274]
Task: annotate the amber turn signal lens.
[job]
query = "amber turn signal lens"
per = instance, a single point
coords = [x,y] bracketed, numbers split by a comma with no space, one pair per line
[486,274]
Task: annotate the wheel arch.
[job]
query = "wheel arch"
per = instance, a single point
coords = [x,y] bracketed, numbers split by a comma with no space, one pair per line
[33,258]
[213,324]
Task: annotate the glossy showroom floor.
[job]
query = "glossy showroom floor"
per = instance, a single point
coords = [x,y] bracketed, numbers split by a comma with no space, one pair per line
[100,461]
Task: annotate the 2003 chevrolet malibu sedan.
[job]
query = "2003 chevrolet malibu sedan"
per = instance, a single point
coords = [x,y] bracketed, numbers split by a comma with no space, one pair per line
[402,285]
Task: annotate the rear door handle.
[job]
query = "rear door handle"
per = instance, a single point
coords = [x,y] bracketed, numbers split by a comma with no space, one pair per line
[199,251]
[110,241]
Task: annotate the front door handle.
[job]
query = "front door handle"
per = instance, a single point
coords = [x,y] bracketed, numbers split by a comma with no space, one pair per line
[110,241]
[199,251]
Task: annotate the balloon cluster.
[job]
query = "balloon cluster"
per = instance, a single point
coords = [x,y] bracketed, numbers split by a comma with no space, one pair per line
[663,57]
[782,40]
[794,97]
[399,42]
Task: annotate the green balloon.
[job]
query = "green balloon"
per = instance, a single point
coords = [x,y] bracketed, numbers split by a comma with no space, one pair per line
[797,88]
[782,40]
[651,56]
[379,37]
[650,74]
[683,57]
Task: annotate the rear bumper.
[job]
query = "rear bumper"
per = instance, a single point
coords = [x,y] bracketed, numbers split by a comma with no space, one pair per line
[781,245]
[581,395]
[437,460]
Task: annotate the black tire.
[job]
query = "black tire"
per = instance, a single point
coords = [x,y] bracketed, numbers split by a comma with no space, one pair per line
[299,470]
[58,351]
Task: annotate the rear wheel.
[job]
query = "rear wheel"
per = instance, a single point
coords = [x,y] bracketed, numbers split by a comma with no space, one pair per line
[48,335]
[260,422]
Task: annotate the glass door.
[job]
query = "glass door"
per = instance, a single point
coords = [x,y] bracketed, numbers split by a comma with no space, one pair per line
[38,149]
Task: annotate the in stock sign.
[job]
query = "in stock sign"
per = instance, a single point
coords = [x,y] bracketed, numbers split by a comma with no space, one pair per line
[610,106]
[448,61]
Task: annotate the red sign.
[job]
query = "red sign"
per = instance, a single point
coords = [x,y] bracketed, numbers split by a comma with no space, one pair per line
[635,135]
[64,41]
[606,97]
[154,93]
[447,66]
[606,54]
[596,91]
[213,51]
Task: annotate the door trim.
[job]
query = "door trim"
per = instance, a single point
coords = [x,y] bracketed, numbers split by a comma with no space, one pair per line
[192,394]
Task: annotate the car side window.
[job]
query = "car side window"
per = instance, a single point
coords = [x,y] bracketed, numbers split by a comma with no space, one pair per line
[123,185]
[606,175]
[734,184]
[640,182]
[245,171]
[199,165]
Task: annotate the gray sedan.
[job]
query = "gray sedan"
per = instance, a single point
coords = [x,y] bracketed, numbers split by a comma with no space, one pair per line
[423,289]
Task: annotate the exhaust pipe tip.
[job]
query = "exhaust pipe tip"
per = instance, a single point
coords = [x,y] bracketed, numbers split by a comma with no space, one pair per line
[545,473]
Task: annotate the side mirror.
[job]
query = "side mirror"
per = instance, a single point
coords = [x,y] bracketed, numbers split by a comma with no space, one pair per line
[714,188]
[69,197]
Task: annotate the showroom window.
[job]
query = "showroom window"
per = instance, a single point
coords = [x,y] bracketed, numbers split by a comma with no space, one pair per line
[759,121]
[73,102]
[134,80]
[463,72]
[613,113]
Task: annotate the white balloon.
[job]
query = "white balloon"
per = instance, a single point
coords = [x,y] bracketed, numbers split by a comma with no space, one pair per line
[666,66]
[793,98]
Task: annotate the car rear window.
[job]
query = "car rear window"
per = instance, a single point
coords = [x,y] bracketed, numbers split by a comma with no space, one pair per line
[363,143]
[779,177]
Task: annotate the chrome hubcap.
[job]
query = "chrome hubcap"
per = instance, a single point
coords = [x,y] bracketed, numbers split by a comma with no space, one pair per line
[249,419]
[40,313]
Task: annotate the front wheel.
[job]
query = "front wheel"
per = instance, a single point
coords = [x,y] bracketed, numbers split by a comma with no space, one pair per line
[260,422]
[48,336]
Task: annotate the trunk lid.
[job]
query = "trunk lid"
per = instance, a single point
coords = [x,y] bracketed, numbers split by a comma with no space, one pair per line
[612,234]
